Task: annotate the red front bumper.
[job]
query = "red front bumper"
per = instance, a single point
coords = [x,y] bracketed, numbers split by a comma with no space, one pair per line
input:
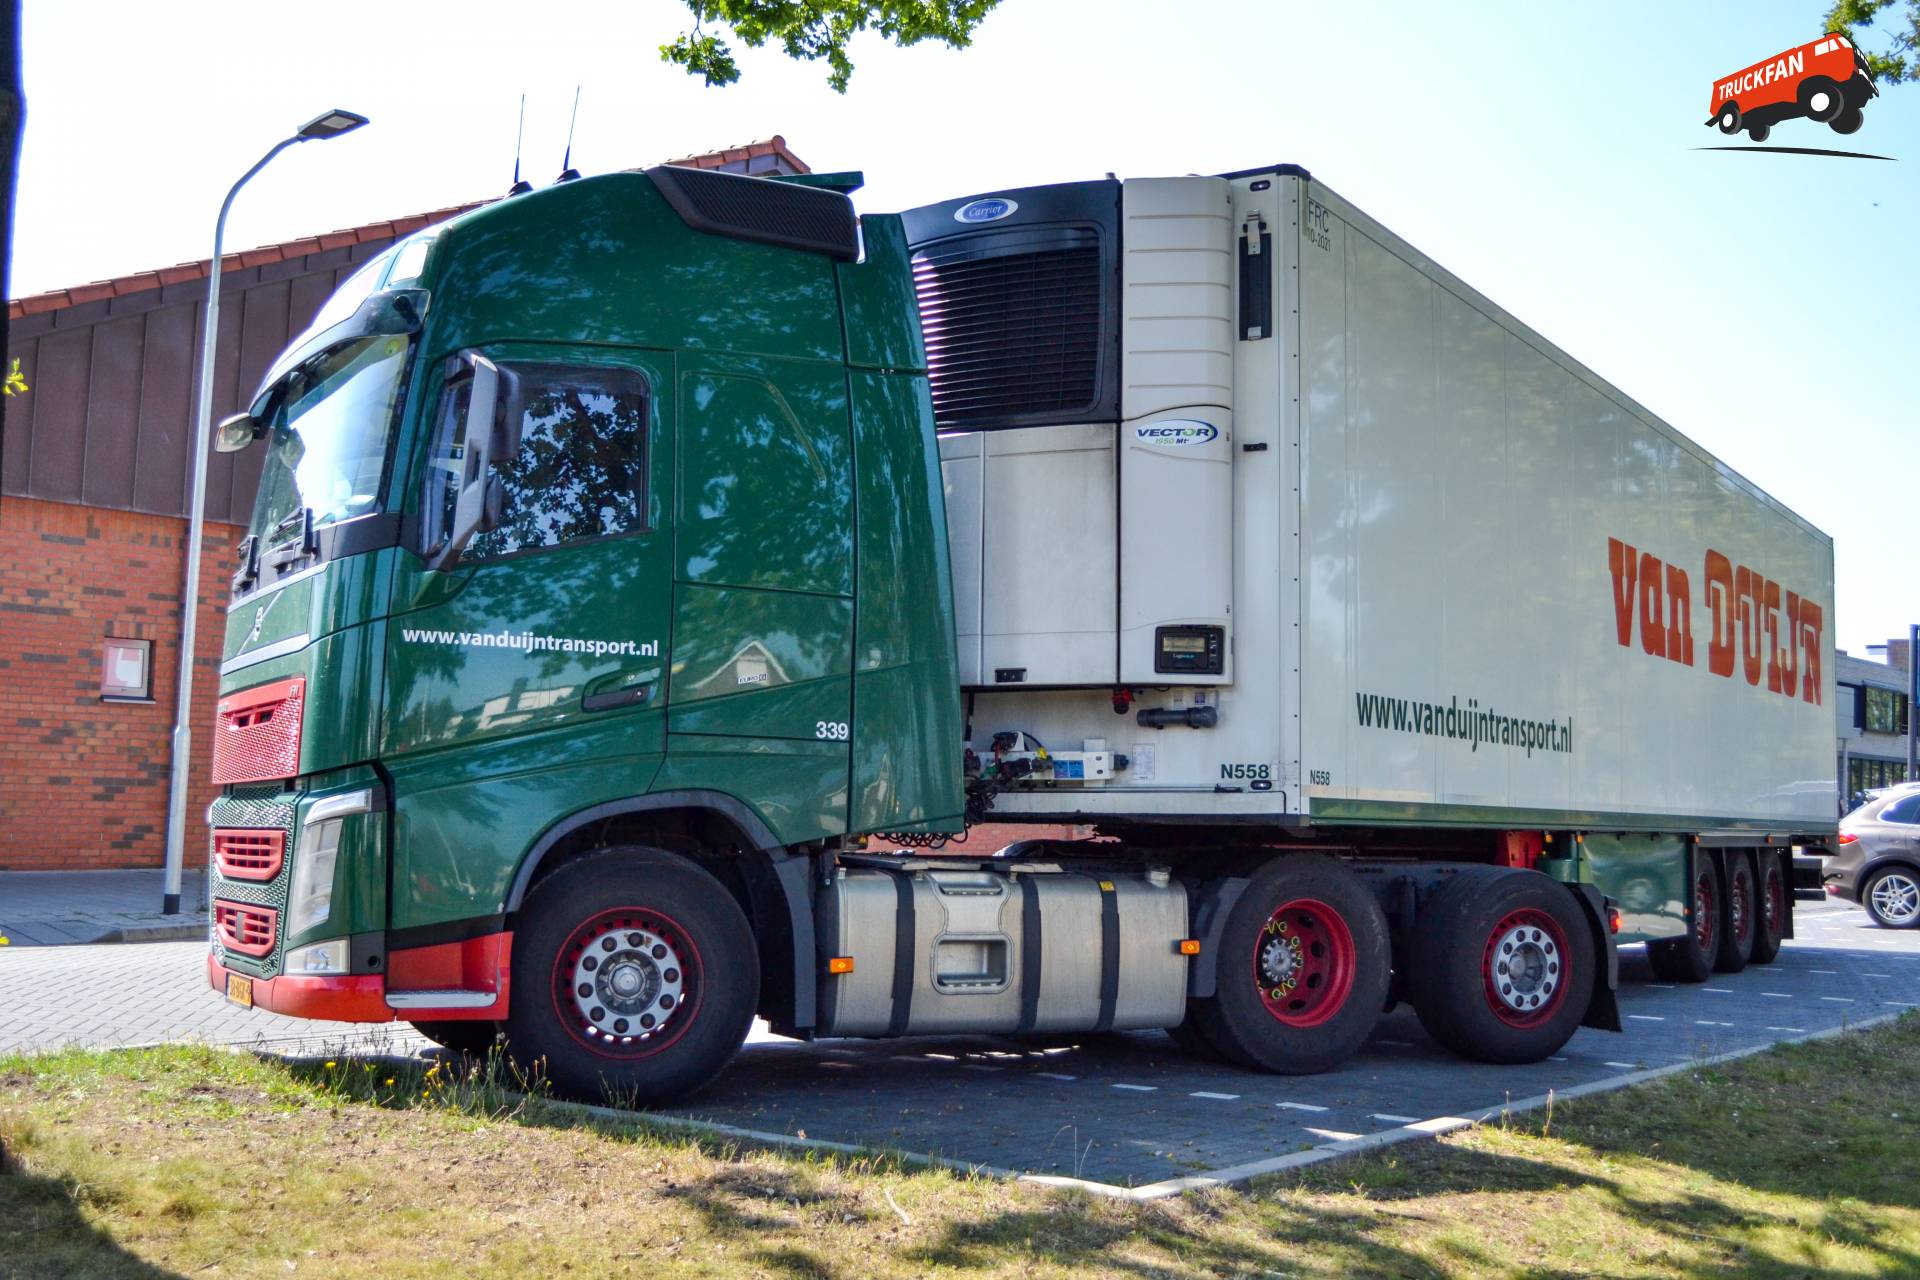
[355,998]
[481,964]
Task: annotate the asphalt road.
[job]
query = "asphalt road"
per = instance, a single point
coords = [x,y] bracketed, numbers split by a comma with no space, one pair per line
[1121,1109]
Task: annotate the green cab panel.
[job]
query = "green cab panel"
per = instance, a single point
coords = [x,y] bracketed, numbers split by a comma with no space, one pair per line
[879,308]
[797,787]
[772,664]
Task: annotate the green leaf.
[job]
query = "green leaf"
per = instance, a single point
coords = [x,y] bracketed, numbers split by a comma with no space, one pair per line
[816,30]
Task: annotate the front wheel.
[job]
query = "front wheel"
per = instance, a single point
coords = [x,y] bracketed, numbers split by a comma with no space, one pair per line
[1821,99]
[1303,969]
[1892,898]
[1502,966]
[635,978]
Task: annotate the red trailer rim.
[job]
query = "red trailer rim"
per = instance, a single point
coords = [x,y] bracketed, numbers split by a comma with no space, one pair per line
[1303,962]
[1703,923]
[1775,898]
[627,982]
[1740,907]
[1524,967]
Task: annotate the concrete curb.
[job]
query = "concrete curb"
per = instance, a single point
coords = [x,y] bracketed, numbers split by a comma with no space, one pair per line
[152,933]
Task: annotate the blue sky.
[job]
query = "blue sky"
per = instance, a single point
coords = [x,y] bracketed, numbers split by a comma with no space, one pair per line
[1761,303]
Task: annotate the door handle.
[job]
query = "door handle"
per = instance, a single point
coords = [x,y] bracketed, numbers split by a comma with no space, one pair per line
[607,699]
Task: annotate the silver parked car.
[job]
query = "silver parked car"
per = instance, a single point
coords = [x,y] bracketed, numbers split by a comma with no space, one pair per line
[1876,861]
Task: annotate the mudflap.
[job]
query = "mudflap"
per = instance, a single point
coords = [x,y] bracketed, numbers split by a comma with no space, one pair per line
[1603,1010]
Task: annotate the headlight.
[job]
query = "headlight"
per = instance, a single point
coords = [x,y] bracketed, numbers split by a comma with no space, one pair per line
[310,899]
[321,957]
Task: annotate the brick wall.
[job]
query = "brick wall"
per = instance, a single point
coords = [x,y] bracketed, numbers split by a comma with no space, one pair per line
[83,783]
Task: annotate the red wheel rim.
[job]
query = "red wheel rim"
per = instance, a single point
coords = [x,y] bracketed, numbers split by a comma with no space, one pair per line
[1524,967]
[627,983]
[1703,932]
[1303,963]
[1775,898]
[1740,907]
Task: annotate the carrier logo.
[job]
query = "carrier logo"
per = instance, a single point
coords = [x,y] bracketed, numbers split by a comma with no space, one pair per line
[991,209]
[1179,433]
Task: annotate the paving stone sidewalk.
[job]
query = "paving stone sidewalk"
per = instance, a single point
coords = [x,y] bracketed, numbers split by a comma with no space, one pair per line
[66,908]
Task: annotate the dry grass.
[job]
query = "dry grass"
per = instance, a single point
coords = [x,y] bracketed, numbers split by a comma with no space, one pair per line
[198,1162]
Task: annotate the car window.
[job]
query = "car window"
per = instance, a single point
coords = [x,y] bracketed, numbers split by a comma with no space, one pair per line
[1906,809]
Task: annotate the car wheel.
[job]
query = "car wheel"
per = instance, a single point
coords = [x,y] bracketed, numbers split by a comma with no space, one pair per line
[1892,898]
[1821,99]
[1742,906]
[1689,957]
[1770,922]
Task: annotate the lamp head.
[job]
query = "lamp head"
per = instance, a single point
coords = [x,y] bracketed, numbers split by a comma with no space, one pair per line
[331,124]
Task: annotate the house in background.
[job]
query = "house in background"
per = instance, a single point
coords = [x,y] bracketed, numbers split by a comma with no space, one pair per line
[93,505]
[1873,711]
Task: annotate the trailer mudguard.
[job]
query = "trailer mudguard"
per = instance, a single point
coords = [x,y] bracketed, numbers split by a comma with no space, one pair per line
[1603,1009]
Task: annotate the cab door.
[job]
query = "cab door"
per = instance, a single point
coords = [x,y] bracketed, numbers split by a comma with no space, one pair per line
[528,680]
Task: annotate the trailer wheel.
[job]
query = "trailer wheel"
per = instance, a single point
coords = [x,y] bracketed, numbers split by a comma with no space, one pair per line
[1689,957]
[635,978]
[1742,908]
[1821,99]
[461,1036]
[1729,119]
[1848,121]
[1770,921]
[1758,131]
[1501,966]
[1304,965]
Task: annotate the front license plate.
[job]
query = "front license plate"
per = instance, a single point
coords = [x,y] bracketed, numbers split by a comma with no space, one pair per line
[240,990]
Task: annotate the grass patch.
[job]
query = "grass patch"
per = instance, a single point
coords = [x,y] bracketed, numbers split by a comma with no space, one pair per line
[194,1161]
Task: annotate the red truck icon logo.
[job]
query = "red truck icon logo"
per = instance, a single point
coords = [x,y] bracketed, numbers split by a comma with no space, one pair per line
[1825,80]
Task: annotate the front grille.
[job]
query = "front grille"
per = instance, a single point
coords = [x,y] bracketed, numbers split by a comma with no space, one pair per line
[1014,325]
[252,810]
[249,855]
[256,735]
[247,929]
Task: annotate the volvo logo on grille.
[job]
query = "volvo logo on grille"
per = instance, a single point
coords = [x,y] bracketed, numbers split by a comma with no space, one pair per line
[990,209]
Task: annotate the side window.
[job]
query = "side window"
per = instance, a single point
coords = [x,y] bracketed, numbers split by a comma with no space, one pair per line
[581,468]
[1907,810]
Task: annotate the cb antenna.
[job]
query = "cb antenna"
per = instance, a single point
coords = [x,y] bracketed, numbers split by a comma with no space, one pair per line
[519,187]
[567,172]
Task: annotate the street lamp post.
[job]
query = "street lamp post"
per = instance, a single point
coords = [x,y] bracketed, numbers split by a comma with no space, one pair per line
[328,125]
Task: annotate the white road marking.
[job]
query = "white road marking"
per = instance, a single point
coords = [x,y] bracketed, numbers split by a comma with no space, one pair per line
[1555,1058]
[1139,1088]
[1645,1017]
[1217,1097]
[1838,999]
[1662,986]
[1831,973]
[1625,1066]
[1876,975]
[1299,1106]
[1701,1022]
[1333,1134]
[1796,1030]
[1055,1075]
[1901,1004]
[1719,991]
[1776,995]
[1393,1119]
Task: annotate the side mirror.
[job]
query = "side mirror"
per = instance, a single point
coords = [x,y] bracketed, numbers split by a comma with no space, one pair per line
[236,433]
[481,494]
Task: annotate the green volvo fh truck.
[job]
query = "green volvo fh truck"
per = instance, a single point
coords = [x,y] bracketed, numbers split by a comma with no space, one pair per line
[650,572]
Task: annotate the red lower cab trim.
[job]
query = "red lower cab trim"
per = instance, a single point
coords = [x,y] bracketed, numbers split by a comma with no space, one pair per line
[474,965]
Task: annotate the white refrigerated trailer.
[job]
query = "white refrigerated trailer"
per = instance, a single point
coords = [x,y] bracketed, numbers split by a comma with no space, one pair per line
[1281,550]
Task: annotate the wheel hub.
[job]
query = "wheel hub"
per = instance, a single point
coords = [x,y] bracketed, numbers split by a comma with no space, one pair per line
[1897,898]
[627,984]
[1526,968]
[1280,962]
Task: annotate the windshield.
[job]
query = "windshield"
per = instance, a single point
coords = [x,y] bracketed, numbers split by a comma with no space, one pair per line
[327,445]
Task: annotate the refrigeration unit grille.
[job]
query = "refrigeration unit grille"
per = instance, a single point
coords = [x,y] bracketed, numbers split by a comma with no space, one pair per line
[1014,325]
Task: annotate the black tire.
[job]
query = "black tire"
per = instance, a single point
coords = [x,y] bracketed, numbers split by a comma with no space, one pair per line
[1848,121]
[1689,957]
[1729,119]
[1889,896]
[468,1036]
[1488,943]
[1302,995]
[1758,132]
[1821,98]
[1776,900]
[672,1001]
[1739,906]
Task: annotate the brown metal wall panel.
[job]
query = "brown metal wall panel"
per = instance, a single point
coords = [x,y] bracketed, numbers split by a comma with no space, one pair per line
[113,413]
[57,451]
[166,400]
[226,400]
[16,430]
[263,335]
[304,297]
